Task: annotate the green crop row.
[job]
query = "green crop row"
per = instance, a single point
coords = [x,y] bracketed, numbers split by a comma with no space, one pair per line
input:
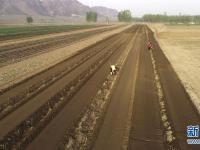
[32,30]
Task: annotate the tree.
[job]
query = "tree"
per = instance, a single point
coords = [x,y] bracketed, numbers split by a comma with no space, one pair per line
[107,20]
[29,19]
[125,16]
[171,19]
[91,16]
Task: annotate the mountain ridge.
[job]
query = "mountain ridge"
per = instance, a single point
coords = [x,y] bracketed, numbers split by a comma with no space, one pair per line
[67,8]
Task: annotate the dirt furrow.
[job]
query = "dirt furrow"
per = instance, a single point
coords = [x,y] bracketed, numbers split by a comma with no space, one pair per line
[51,136]
[11,100]
[46,106]
[179,108]
[16,52]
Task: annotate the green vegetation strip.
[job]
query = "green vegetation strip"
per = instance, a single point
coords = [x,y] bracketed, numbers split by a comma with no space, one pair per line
[31,30]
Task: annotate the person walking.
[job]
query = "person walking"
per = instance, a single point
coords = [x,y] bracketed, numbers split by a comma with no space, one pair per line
[149,45]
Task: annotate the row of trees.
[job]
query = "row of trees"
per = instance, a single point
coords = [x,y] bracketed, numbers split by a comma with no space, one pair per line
[171,19]
[29,19]
[91,16]
[125,16]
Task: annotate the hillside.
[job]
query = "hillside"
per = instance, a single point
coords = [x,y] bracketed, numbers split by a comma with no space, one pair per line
[51,8]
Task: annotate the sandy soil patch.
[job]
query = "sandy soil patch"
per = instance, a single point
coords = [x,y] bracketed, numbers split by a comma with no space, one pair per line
[181,45]
[19,71]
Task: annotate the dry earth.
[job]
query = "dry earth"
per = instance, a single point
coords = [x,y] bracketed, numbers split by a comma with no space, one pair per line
[19,71]
[181,45]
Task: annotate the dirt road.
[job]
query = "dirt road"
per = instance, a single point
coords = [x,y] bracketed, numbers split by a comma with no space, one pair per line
[77,104]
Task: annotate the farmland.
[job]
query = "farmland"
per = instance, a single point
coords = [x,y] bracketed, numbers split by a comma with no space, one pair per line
[13,31]
[181,44]
[57,92]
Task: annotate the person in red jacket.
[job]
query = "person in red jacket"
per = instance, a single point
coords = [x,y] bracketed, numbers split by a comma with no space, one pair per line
[149,45]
